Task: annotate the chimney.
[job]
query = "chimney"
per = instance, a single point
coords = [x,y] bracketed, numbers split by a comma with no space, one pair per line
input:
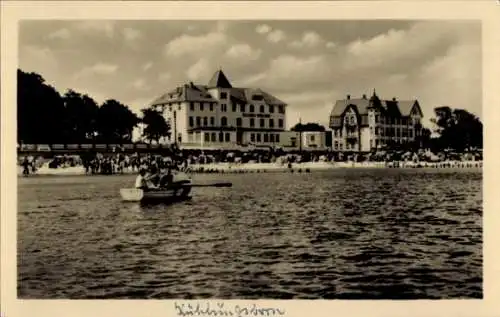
[348,97]
[364,96]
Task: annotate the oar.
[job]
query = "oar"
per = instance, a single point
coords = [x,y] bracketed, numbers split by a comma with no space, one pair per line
[210,185]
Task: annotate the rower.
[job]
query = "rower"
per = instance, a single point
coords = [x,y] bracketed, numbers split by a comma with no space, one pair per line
[143,181]
[166,179]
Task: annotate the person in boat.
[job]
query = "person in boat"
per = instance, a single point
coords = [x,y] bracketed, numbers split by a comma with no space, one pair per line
[167,179]
[143,181]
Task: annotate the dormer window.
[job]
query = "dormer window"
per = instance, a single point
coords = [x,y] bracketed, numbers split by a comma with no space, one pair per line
[257,97]
[223,95]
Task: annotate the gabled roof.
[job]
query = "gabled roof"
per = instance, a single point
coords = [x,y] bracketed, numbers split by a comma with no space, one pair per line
[187,92]
[392,107]
[341,105]
[219,80]
[199,93]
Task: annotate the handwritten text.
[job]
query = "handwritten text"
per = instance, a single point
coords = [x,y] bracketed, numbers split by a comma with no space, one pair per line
[223,310]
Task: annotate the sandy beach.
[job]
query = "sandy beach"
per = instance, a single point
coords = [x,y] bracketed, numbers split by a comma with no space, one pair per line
[276,167]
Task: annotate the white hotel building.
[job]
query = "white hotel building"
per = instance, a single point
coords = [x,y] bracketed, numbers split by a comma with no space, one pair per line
[220,115]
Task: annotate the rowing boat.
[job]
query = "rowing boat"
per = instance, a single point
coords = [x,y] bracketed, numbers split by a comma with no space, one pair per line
[178,190]
[173,192]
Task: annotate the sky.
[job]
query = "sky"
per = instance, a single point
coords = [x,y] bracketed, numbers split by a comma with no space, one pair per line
[307,64]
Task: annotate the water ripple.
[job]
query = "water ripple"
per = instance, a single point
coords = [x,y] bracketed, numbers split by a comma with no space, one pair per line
[345,234]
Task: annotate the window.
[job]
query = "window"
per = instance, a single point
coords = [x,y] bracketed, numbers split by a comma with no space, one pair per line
[223,95]
[223,121]
[252,122]
[262,123]
[265,138]
[271,123]
[258,137]
[280,123]
[257,97]
[223,107]
[198,121]
[170,108]
[201,106]
[205,121]
[191,121]
[242,108]
[281,109]
[221,137]
[228,137]
[252,108]
[212,121]
[376,118]
[336,145]
[312,138]
[277,138]
[238,122]
[261,109]
[252,137]
[191,106]
[207,137]
[271,138]
[271,109]
[213,137]
[234,107]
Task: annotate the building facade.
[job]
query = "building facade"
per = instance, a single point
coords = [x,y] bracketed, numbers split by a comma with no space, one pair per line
[223,115]
[363,125]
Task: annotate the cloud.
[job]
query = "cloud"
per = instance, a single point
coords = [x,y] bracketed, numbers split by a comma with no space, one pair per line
[147,66]
[291,72]
[62,34]
[131,34]
[96,69]
[199,70]
[140,84]
[263,29]
[189,44]
[106,27]
[309,39]
[436,62]
[276,36]
[38,59]
[164,76]
[330,45]
[243,52]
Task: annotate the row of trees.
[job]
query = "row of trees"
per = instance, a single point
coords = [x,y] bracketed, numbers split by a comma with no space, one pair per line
[46,117]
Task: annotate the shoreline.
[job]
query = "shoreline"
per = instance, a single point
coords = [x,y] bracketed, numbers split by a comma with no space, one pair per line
[306,167]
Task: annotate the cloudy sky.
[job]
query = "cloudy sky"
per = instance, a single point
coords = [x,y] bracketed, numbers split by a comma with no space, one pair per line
[308,64]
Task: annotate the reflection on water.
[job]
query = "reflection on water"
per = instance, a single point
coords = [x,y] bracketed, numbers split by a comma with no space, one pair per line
[361,234]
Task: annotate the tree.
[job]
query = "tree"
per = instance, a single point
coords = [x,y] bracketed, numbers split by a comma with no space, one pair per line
[115,122]
[156,125]
[458,129]
[314,127]
[81,116]
[40,111]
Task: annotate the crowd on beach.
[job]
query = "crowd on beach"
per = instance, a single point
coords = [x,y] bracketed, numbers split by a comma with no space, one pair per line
[116,163]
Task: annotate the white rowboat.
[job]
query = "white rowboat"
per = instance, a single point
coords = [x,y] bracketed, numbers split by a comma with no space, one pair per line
[180,191]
